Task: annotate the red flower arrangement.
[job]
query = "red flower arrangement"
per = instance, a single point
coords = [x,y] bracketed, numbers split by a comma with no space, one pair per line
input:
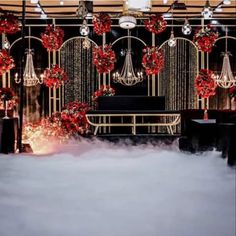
[232,92]
[9,24]
[7,95]
[47,130]
[205,83]
[54,77]
[52,38]
[105,90]
[155,24]
[102,23]
[6,61]
[73,118]
[104,58]
[153,60]
[205,38]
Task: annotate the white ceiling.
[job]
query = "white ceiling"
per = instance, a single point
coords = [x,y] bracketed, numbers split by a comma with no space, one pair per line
[115,7]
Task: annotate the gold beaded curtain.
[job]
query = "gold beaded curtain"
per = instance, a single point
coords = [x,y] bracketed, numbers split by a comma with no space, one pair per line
[176,80]
[77,62]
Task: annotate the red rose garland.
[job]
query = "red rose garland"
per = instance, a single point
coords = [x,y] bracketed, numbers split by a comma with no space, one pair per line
[205,38]
[9,24]
[155,24]
[102,23]
[104,58]
[54,76]
[205,83]
[73,118]
[153,60]
[52,38]
[105,90]
[6,61]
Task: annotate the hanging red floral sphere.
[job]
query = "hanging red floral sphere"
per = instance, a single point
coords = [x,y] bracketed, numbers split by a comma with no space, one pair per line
[73,117]
[105,90]
[102,23]
[54,77]
[205,38]
[153,60]
[52,38]
[6,61]
[104,58]
[205,83]
[9,24]
[155,24]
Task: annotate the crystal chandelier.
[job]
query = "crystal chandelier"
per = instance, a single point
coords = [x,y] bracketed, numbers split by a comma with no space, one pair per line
[30,78]
[127,76]
[226,78]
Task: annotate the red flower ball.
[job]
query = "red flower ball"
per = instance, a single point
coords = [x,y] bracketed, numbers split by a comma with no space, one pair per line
[101,23]
[205,39]
[54,77]
[73,117]
[6,61]
[153,60]
[9,24]
[205,83]
[104,58]
[52,38]
[155,24]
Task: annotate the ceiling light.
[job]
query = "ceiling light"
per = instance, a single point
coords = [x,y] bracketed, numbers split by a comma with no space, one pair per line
[141,5]
[127,22]
[226,78]
[61,2]
[37,9]
[43,16]
[227,2]
[34,1]
[165,1]
[172,40]
[6,45]
[207,11]
[218,9]
[186,28]
[84,29]
[167,15]
[214,22]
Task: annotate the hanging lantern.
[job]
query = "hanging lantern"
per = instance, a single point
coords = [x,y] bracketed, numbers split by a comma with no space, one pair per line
[172,40]
[186,28]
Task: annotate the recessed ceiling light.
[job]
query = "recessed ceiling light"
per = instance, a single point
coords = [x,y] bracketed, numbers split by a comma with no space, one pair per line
[227,2]
[37,9]
[167,15]
[43,16]
[218,9]
[34,1]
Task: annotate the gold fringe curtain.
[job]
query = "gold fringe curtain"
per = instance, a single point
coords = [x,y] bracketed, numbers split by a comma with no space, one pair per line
[82,75]
[176,80]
